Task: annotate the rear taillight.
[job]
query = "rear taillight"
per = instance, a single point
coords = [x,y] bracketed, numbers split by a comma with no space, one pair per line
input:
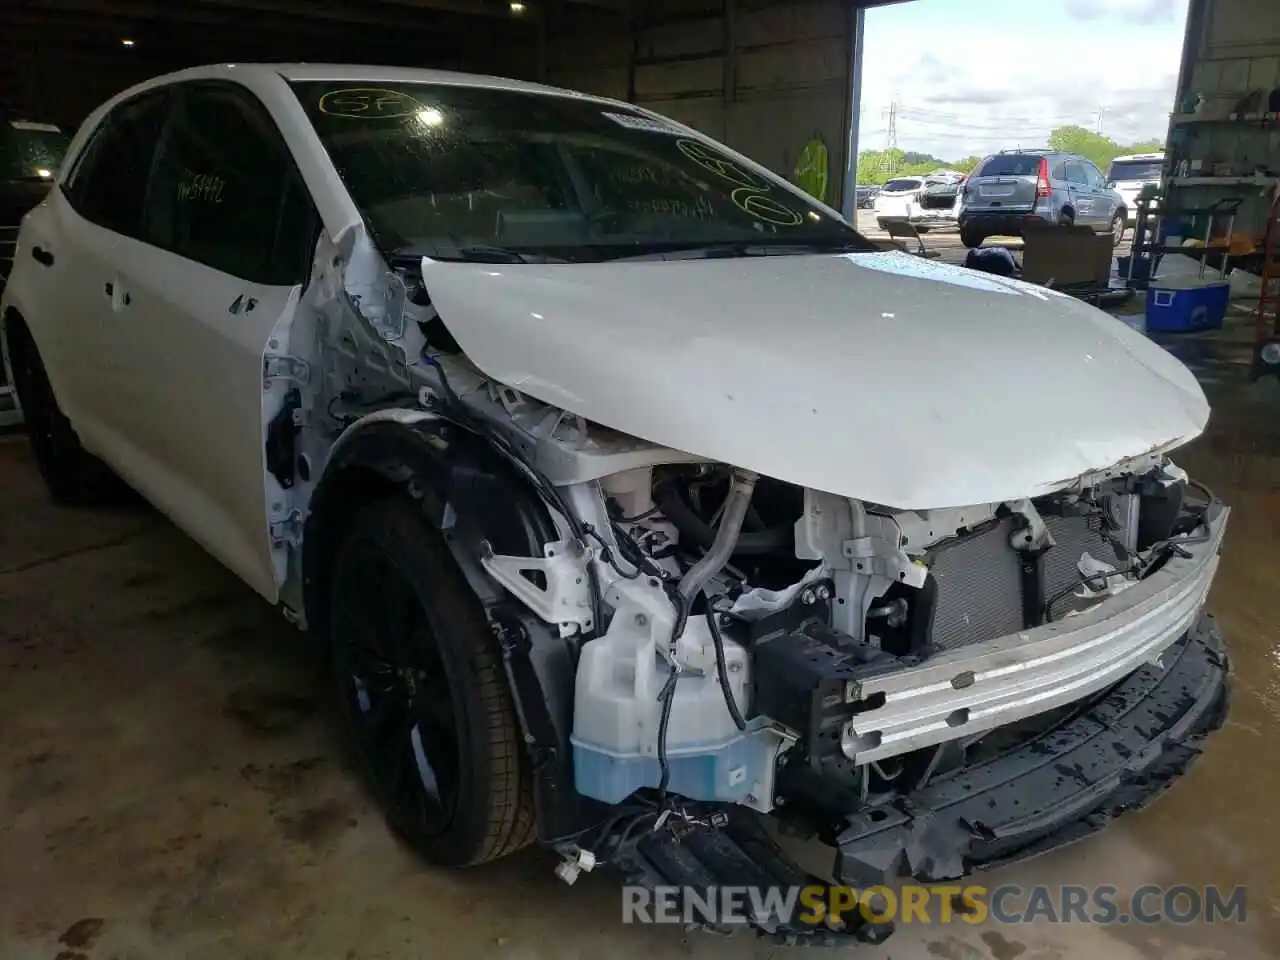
[1042,179]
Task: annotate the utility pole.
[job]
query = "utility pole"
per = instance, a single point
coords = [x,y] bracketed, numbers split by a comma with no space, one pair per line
[890,164]
[1102,112]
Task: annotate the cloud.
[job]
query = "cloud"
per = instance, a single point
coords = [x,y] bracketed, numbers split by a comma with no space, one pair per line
[1138,12]
[951,104]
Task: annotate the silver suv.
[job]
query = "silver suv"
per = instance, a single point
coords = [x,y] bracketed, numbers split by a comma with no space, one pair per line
[1012,186]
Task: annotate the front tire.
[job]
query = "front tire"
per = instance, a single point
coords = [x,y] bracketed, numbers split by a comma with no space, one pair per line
[73,476]
[1118,224]
[424,692]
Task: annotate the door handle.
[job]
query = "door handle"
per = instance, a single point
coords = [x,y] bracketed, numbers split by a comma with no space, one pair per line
[41,255]
[242,304]
[109,289]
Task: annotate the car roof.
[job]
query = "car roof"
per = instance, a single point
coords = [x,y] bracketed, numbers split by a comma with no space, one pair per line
[362,73]
[1139,156]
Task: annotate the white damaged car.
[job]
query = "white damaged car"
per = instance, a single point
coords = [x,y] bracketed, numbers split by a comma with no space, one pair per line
[635,496]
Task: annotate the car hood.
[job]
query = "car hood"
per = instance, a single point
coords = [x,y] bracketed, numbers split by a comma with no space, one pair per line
[880,376]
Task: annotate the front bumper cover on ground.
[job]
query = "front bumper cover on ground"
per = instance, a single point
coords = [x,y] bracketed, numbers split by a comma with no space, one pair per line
[1115,753]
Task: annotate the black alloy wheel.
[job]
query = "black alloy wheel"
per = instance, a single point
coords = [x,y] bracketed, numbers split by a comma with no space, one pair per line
[424,693]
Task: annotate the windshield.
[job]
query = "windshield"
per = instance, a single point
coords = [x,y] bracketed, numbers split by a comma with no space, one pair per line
[1122,170]
[1010,165]
[30,151]
[442,170]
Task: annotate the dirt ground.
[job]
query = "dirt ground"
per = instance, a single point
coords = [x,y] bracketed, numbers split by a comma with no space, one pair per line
[172,785]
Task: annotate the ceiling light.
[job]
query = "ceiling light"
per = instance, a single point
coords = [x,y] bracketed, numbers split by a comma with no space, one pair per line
[127,42]
[517,7]
[430,117]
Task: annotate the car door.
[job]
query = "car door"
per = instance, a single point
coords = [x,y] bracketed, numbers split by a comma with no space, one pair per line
[1079,193]
[69,253]
[1104,198]
[229,231]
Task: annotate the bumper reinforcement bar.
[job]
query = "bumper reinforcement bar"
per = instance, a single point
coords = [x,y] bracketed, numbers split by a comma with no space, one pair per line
[1118,754]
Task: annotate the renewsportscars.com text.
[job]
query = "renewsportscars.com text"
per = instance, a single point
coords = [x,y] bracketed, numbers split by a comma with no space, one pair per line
[934,903]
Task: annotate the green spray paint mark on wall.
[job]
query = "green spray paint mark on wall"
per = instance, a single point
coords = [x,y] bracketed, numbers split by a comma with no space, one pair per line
[811,170]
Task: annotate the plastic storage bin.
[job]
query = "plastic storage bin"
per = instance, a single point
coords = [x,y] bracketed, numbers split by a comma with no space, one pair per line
[1181,304]
[1141,270]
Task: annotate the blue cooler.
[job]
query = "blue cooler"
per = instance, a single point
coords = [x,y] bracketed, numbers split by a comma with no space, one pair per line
[1182,304]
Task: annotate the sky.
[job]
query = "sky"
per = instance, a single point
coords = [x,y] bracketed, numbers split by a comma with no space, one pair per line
[973,76]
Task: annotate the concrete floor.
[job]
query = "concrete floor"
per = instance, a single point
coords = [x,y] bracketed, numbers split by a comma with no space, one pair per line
[171,783]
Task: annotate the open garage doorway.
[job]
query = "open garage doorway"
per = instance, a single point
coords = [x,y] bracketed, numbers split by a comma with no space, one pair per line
[945,84]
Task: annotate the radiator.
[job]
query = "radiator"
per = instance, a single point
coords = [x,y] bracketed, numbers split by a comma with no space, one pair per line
[979,588]
[979,578]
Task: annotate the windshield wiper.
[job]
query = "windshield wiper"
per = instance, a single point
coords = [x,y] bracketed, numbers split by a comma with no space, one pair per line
[721,251]
[471,253]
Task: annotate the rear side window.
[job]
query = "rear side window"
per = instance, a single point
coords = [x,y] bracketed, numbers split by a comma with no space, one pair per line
[109,183]
[1009,165]
[225,191]
[1076,172]
[1128,170]
[30,151]
[897,186]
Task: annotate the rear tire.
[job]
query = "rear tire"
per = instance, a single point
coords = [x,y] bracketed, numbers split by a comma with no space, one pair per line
[73,476]
[424,691]
[1118,225]
[880,224]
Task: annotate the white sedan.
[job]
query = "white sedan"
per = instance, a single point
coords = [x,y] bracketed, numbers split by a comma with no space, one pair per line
[630,490]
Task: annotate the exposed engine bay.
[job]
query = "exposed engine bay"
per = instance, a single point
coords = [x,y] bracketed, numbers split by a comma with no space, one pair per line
[688,638]
[730,626]
[784,605]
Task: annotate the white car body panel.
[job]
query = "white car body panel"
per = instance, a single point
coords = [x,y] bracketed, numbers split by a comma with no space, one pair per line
[904,382]
[195,373]
[895,204]
[160,378]
[70,340]
[168,388]
[1130,190]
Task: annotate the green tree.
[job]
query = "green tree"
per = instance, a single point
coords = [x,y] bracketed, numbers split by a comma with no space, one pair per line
[878,166]
[1145,146]
[967,165]
[914,158]
[1085,143]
